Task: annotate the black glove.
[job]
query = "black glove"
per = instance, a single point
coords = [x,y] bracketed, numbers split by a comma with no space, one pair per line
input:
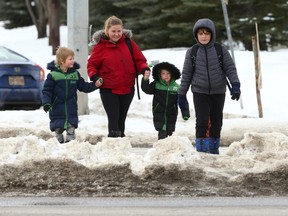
[185,114]
[184,106]
[182,100]
[47,107]
[235,91]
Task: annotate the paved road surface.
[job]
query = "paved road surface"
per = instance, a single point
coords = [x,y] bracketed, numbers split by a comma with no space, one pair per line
[167,206]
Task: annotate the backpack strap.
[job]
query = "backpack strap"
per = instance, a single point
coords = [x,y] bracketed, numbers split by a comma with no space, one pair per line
[128,42]
[219,52]
[195,48]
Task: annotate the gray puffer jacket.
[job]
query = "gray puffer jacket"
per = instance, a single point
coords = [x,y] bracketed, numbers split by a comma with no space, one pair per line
[208,77]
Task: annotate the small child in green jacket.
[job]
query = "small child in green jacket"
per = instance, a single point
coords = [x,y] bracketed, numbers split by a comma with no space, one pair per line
[165,91]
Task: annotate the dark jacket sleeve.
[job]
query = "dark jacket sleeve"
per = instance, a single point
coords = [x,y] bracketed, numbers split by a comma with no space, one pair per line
[84,86]
[47,91]
[186,77]
[147,87]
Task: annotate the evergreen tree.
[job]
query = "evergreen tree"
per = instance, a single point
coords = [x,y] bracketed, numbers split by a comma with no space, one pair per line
[270,19]
[187,13]
[163,23]
[100,10]
[151,28]
[14,14]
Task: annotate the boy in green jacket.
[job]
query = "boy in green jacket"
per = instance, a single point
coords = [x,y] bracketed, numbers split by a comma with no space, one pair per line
[165,95]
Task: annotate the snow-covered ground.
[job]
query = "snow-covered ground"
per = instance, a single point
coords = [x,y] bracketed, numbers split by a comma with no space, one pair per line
[253,162]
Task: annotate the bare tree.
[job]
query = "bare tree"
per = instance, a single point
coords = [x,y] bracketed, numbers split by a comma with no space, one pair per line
[54,24]
[39,15]
[43,12]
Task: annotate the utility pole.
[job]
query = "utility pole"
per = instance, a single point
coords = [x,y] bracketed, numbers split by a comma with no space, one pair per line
[77,21]
[229,35]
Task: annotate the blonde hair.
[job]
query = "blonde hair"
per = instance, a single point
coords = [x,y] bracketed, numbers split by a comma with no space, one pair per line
[111,21]
[62,54]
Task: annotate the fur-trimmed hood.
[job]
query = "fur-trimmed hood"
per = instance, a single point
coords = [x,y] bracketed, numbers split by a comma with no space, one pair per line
[96,37]
[175,72]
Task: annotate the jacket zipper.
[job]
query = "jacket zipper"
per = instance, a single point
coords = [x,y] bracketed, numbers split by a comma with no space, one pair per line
[207,68]
[165,113]
[66,95]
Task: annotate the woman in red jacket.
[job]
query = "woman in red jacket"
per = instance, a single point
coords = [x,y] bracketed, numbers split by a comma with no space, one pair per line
[112,68]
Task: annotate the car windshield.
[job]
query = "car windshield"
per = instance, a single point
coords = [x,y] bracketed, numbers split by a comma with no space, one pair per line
[9,55]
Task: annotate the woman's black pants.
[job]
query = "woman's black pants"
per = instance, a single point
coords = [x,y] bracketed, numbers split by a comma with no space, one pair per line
[116,107]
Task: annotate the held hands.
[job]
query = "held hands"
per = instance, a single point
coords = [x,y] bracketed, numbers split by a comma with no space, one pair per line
[235,91]
[147,74]
[47,107]
[184,106]
[99,82]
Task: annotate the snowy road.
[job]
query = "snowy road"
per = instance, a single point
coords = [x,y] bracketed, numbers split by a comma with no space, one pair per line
[168,206]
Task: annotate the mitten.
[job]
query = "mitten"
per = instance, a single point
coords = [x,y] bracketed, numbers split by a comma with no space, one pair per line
[184,106]
[235,91]
[47,107]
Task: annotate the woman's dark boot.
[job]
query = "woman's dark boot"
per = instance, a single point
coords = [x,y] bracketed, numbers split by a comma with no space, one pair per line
[114,133]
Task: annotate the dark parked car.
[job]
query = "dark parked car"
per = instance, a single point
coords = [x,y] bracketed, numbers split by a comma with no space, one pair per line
[21,81]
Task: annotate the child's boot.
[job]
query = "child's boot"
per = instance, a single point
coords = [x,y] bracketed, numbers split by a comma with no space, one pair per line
[70,135]
[162,134]
[202,144]
[214,145]
[59,135]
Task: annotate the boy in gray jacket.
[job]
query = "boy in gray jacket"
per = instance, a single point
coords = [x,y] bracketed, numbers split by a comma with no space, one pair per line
[208,85]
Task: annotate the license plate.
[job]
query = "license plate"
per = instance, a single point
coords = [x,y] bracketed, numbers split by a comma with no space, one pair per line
[16,80]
